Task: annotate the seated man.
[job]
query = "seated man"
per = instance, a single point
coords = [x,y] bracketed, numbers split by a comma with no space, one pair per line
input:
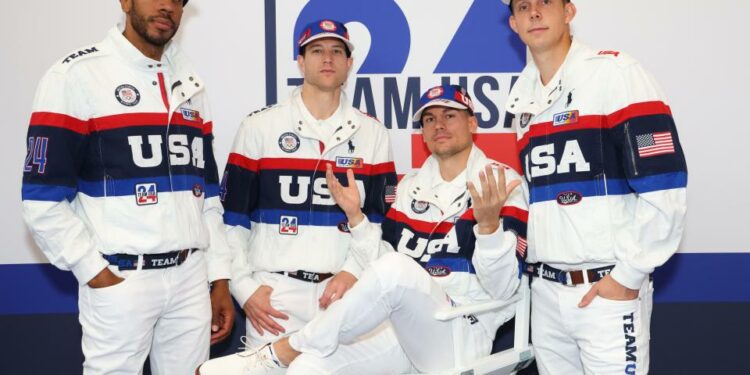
[455,219]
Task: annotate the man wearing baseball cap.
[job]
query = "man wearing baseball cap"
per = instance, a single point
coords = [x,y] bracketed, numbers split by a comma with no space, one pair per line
[293,244]
[450,238]
[121,188]
[607,179]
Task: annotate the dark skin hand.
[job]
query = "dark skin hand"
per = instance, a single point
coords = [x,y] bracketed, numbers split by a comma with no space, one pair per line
[222,311]
[104,279]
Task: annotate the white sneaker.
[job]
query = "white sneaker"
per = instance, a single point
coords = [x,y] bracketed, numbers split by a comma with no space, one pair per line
[249,362]
[262,361]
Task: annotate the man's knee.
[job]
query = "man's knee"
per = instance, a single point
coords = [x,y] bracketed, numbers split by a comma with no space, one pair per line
[397,270]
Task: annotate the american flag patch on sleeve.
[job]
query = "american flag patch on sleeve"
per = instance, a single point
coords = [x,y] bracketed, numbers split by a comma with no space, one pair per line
[653,144]
[521,247]
[390,193]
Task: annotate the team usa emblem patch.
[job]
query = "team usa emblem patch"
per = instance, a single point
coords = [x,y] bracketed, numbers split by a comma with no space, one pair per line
[127,95]
[419,207]
[146,194]
[565,118]
[189,114]
[347,162]
[568,198]
[289,142]
[288,225]
[197,190]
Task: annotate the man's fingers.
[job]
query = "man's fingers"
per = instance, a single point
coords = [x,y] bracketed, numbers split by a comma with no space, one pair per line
[325,298]
[473,192]
[483,177]
[586,300]
[350,179]
[269,324]
[255,324]
[222,332]
[512,186]
[331,180]
[269,310]
[501,180]
[492,187]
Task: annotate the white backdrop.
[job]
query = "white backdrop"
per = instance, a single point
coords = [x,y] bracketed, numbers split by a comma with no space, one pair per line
[697,50]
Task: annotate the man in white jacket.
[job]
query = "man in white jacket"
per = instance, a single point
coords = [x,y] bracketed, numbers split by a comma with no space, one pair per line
[450,238]
[607,180]
[292,244]
[120,187]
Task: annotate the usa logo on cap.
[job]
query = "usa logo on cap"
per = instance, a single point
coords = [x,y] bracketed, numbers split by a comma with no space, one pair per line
[435,92]
[328,25]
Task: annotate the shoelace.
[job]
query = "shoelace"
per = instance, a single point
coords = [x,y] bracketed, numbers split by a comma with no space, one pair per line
[257,356]
[244,351]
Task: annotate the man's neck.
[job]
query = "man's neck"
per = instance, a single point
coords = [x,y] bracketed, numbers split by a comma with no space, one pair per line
[549,61]
[149,50]
[320,104]
[451,166]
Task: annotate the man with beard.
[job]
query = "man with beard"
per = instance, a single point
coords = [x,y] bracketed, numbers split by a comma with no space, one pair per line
[120,187]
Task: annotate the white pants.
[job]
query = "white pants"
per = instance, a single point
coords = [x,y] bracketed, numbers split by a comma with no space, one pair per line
[606,337]
[166,312]
[394,287]
[299,300]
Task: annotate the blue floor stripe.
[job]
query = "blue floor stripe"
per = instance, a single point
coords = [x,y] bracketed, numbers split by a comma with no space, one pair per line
[704,277]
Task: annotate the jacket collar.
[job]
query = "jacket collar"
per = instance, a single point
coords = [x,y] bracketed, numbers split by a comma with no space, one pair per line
[428,176]
[304,123]
[185,82]
[530,96]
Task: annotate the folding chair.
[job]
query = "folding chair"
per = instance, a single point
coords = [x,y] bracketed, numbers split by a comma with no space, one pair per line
[508,361]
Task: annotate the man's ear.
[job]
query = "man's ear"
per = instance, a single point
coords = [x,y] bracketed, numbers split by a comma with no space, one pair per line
[301,64]
[570,12]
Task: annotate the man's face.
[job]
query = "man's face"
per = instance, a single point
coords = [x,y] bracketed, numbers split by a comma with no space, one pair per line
[447,131]
[542,24]
[155,21]
[324,64]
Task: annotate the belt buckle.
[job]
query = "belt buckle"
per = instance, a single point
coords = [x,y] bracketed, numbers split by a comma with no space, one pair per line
[565,279]
[182,256]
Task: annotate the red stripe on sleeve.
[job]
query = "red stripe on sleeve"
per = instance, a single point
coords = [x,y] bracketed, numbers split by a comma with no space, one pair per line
[638,110]
[142,119]
[208,128]
[515,212]
[243,162]
[597,121]
[59,120]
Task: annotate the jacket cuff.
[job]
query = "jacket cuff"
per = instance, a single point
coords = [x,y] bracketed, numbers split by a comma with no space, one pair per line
[242,289]
[351,266]
[628,276]
[492,241]
[360,231]
[218,269]
[88,267]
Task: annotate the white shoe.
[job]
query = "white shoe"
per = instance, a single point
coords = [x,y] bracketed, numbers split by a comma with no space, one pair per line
[249,362]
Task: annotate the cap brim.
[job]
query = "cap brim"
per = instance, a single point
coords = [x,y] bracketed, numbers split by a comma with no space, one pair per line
[440,102]
[329,35]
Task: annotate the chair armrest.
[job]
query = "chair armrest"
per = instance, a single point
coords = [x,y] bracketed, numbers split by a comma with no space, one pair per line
[454,312]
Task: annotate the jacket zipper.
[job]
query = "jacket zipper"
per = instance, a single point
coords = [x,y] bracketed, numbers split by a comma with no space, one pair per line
[165,99]
[630,146]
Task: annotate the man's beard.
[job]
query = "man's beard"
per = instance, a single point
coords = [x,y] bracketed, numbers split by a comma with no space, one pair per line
[140,25]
